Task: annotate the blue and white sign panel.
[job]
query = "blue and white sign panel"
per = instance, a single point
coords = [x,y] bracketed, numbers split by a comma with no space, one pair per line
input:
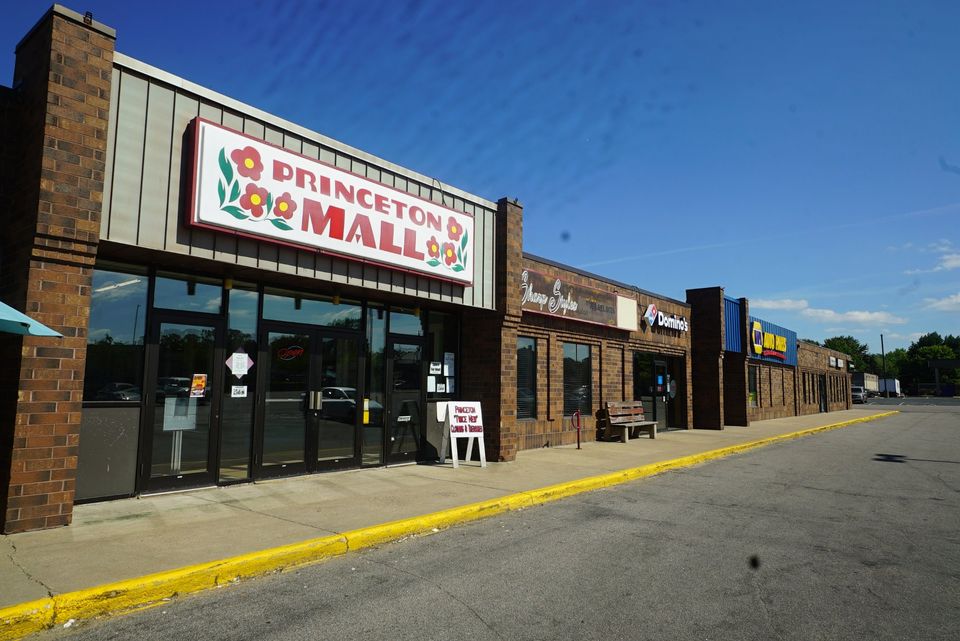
[771,343]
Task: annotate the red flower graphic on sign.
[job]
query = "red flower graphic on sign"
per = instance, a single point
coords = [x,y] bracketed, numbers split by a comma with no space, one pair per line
[285,206]
[449,253]
[454,230]
[433,247]
[248,162]
[254,199]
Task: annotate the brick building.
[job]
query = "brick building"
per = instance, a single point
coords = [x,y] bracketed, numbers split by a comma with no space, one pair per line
[748,369]
[241,298]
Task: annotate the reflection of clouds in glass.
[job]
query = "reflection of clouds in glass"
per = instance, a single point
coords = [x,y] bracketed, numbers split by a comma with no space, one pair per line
[98,335]
[213,305]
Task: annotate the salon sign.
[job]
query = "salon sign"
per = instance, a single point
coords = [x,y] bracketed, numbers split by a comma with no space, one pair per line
[251,188]
[552,296]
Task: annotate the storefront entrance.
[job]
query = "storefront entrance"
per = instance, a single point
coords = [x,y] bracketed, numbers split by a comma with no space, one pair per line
[181,410]
[405,399]
[659,383]
[308,418]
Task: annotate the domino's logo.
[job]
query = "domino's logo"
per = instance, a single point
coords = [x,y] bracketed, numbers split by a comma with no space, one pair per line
[651,314]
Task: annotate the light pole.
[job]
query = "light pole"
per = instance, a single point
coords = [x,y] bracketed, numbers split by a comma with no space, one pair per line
[883,366]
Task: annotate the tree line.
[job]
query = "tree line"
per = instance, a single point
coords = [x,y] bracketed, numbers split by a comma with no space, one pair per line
[908,365]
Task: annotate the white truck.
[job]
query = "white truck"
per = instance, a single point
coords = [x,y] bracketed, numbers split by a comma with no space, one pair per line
[892,385]
[869,382]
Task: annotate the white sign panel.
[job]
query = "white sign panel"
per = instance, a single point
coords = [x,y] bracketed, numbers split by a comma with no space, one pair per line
[464,419]
[238,391]
[251,188]
[239,364]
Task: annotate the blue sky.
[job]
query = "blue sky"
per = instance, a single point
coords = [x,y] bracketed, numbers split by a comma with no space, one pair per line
[804,155]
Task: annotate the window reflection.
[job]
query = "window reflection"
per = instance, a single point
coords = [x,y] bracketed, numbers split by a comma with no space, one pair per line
[328,312]
[188,294]
[405,321]
[114,368]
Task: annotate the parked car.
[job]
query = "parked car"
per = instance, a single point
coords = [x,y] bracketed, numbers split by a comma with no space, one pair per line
[340,404]
[858,394]
[119,392]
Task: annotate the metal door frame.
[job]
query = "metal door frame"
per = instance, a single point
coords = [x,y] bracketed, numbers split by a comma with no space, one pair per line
[316,334]
[145,482]
[407,339]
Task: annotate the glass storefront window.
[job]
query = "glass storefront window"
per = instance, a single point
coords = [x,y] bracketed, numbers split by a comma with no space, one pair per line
[577,379]
[375,384]
[752,372]
[443,332]
[188,293]
[236,424]
[321,310]
[526,377]
[118,310]
[405,321]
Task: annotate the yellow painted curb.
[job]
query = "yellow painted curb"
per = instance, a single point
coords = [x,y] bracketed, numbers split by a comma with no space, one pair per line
[146,591]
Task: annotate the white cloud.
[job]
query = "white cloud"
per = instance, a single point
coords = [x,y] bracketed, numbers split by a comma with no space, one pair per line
[783,303]
[903,337]
[947,304]
[947,263]
[827,315]
[860,317]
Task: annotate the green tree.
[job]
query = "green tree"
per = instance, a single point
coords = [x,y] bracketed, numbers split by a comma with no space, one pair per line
[894,359]
[853,348]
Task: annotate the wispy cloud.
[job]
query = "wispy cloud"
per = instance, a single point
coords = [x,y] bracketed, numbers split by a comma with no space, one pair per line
[949,257]
[782,303]
[822,315]
[912,336]
[947,304]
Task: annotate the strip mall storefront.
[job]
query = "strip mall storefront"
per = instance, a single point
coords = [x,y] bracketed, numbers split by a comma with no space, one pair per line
[749,369]
[240,298]
[583,340]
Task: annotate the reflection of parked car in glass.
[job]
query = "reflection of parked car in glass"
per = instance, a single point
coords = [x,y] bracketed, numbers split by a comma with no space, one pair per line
[340,404]
[119,392]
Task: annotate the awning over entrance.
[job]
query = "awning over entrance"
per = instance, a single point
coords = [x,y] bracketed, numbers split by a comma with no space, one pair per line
[13,322]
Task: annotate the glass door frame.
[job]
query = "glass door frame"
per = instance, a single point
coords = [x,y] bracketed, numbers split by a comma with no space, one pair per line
[403,339]
[310,463]
[145,482]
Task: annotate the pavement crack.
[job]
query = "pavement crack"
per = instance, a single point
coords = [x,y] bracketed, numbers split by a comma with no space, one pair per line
[443,590]
[12,556]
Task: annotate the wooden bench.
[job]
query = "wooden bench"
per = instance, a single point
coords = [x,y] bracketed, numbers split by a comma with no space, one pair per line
[625,419]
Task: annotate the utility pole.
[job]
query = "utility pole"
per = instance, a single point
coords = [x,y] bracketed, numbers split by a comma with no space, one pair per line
[883,366]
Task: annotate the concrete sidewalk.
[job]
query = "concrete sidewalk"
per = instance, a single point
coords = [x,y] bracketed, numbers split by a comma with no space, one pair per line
[126,539]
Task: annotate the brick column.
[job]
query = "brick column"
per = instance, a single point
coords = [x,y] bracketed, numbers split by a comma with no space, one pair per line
[707,344]
[62,92]
[490,341]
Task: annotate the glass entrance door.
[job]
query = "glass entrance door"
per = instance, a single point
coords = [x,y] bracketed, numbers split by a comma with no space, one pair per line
[283,419]
[661,394]
[405,400]
[181,408]
[309,418]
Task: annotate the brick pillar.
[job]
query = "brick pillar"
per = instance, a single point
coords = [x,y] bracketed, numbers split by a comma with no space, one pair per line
[489,343]
[707,353]
[62,87]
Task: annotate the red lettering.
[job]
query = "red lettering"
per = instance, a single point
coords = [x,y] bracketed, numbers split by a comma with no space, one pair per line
[434,221]
[303,176]
[410,244]
[325,185]
[386,238]
[343,192]
[400,207]
[417,215]
[314,216]
[361,230]
[282,171]
[363,197]
[380,204]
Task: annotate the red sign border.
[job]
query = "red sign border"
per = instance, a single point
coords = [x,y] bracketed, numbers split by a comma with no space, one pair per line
[191,213]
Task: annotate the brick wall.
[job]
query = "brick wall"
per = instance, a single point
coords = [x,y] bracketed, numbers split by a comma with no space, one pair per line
[62,85]
[707,345]
[611,352]
[489,343]
[814,361]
